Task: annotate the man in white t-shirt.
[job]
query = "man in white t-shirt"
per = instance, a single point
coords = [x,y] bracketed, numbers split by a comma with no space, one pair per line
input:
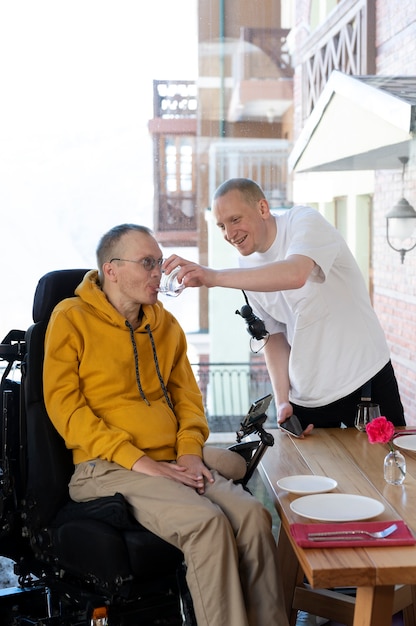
[325,345]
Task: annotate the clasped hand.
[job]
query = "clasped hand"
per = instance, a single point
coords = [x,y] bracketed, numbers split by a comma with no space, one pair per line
[189,470]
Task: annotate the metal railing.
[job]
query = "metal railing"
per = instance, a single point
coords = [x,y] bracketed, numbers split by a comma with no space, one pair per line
[174,99]
[262,160]
[228,390]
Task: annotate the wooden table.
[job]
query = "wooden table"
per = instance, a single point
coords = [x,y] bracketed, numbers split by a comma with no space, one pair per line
[357,466]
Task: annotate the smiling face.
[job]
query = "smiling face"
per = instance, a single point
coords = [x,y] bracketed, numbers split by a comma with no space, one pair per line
[246,224]
[128,284]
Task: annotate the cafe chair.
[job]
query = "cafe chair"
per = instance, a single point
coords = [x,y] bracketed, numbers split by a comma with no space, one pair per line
[80,563]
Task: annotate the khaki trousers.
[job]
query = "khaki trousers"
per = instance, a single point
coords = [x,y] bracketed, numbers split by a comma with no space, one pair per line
[225,536]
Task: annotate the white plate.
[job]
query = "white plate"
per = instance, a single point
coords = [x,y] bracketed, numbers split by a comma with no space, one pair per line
[337,507]
[406,442]
[307,483]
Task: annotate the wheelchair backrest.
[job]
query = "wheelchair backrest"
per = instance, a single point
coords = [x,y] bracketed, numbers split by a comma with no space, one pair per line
[49,463]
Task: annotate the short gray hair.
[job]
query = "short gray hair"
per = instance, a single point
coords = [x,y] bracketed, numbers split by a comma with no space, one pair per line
[107,243]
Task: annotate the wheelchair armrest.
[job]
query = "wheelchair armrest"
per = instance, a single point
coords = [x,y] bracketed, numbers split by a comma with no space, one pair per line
[245,449]
[253,452]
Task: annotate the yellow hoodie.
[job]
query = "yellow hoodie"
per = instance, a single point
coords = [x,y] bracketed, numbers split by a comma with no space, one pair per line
[95,398]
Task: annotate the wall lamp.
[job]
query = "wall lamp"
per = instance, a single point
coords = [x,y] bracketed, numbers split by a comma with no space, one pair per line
[401,221]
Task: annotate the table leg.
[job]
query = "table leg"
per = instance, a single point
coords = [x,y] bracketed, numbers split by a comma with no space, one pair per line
[374,606]
[290,573]
[409,612]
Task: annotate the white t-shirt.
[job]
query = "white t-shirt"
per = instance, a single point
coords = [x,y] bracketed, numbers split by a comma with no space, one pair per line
[337,343]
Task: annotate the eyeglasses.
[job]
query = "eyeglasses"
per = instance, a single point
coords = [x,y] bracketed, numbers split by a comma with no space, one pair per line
[149,263]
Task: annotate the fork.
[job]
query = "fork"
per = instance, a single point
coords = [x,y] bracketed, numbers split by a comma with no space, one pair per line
[352,534]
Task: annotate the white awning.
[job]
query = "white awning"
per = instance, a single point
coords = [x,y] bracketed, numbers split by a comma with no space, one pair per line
[358,123]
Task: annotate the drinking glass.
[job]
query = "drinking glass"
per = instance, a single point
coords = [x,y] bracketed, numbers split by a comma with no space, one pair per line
[169,284]
[366,411]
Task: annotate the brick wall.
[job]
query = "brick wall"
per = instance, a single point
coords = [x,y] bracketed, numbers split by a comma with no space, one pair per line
[395,36]
[394,283]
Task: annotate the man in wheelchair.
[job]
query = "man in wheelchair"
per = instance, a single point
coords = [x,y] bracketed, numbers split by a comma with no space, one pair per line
[119,389]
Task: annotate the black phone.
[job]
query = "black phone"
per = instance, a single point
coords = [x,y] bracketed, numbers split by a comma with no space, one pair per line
[257,409]
[292,426]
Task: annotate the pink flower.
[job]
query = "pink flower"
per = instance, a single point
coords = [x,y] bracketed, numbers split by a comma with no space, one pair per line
[380,430]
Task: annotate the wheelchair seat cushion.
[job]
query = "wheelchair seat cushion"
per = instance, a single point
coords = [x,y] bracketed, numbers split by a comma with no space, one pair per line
[88,547]
[112,510]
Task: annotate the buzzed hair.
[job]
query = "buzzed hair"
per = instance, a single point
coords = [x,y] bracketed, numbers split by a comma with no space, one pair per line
[107,243]
[251,191]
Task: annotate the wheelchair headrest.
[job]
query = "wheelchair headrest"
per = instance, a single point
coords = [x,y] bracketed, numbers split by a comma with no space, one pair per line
[52,288]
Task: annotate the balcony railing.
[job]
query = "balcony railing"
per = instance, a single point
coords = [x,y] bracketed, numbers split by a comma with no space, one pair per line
[345,42]
[228,390]
[262,160]
[174,99]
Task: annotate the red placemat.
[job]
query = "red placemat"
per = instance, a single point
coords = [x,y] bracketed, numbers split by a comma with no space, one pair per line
[401,537]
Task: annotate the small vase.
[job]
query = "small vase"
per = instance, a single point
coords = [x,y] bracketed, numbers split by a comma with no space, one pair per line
[394,468]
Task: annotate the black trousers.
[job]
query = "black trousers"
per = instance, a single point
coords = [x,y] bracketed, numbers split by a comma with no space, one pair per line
[384,391]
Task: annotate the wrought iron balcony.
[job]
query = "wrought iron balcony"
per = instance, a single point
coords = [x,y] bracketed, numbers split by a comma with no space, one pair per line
[228,389]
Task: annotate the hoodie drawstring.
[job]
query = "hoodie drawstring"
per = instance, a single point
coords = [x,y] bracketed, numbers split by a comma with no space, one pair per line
[159,375]
[155,359]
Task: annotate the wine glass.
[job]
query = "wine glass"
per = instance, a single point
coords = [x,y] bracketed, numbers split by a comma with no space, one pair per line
[366,411]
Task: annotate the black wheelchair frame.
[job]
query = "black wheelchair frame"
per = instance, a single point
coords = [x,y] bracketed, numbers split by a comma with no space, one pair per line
[50,591]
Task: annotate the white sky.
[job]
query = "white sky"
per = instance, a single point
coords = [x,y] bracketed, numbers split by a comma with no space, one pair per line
[75,154]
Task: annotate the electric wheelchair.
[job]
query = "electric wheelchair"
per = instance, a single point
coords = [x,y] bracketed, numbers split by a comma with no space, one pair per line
[79,564]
